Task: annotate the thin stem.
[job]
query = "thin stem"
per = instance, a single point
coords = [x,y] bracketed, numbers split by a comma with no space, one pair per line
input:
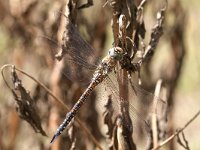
[177,132]
[2,68]
[154,117]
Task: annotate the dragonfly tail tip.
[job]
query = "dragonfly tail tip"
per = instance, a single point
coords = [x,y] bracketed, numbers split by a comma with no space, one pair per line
[53,139]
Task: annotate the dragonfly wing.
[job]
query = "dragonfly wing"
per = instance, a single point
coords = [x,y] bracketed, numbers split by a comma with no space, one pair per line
[74,45]
[148,102]
[79,60]
[140,104]
[109,90]
[137,117]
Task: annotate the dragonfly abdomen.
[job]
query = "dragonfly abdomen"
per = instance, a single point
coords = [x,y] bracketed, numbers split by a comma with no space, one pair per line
[70,115]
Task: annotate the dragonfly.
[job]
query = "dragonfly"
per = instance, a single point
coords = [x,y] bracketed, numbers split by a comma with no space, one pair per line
[79,52]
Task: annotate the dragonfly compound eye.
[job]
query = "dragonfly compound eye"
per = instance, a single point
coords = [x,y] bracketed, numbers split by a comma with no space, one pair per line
[115,52]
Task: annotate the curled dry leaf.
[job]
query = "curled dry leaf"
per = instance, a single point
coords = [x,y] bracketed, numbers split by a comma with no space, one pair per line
[156,33]
[26,107]
[107,115]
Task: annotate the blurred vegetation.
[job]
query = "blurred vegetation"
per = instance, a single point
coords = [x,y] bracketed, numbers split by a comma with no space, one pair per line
[26,53]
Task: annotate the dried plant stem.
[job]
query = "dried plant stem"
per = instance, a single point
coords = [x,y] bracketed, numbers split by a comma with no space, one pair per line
[57,99]
[177,132]
[154,117]
[185,145]
[2,74]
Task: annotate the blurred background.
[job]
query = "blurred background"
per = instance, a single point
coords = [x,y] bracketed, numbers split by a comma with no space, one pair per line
[176,61]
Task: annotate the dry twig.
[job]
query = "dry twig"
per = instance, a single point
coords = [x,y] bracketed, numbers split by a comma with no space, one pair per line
[185,144]
[177,132]
[154,117]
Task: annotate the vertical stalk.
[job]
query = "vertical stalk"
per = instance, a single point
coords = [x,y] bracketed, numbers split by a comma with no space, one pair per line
[123,10]
[154,117]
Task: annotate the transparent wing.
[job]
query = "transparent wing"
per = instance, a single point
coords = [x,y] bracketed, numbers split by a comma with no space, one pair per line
[75,46]
[77,54]
[140,96]
[140,104]
[78,57]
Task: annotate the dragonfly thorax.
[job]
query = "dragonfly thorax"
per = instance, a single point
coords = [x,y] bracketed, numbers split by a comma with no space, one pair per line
[106,66]
[108,63]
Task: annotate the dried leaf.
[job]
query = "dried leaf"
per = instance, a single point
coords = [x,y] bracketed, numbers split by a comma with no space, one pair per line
[26,107]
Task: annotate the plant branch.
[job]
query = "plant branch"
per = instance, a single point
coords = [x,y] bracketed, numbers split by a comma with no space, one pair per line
[177,132]
[154,117]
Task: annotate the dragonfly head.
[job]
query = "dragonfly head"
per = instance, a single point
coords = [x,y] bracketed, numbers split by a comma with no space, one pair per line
[116,53]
